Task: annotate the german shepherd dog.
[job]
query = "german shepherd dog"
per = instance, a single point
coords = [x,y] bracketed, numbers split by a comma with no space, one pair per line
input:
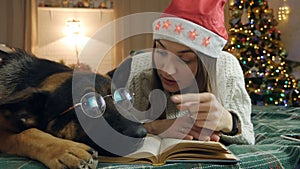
[38,119]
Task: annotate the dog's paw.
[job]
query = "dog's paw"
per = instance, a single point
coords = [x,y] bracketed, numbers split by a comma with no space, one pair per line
[69,154]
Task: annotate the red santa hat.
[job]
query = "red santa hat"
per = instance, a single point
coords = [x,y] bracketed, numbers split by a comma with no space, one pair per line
[198,24]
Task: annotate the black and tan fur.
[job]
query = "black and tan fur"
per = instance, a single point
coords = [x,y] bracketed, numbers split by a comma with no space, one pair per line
[33,92]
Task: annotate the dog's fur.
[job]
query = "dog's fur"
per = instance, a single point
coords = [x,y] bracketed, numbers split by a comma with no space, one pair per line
[33,94]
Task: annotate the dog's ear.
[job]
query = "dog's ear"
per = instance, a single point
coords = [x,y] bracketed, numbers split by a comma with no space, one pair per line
[111,73]
[31,98]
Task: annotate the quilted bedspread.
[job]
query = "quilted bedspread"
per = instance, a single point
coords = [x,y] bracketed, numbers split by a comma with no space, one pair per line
[270,151]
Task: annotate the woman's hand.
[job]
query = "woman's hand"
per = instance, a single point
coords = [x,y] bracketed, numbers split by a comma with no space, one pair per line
[182,128]
[206,110]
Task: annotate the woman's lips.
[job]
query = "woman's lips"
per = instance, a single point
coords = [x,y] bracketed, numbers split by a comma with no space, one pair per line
[168,81]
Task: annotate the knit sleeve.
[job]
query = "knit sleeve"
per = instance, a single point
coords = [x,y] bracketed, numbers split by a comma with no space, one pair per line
[235,98]
[139,80]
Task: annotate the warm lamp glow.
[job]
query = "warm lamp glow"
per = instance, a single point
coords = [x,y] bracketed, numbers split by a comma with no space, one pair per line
[73,27]
[73,31]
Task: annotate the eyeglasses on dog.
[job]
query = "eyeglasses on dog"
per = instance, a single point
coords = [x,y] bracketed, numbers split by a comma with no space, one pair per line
[94,105]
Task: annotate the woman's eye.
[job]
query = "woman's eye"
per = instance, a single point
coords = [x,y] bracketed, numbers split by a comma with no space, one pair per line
[187,58]
[161,52]
[186,61]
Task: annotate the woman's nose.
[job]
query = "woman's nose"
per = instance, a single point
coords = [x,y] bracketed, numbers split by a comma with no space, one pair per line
[169,66]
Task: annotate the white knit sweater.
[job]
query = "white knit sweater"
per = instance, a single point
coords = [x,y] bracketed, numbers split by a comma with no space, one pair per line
[231,86]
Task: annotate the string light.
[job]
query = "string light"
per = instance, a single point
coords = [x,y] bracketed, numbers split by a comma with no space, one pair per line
[283,11]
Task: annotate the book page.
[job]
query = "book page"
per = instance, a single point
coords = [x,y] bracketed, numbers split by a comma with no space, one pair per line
[147,154]
[176,149]
[157,151]
[168,143]
[150,147]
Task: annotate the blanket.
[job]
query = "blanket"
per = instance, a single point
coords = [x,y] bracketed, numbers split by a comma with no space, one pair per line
[270,150]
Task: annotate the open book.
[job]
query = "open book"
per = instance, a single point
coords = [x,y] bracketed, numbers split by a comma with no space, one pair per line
[157,151]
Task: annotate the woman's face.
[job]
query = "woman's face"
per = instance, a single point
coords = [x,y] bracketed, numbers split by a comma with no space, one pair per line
[176,65]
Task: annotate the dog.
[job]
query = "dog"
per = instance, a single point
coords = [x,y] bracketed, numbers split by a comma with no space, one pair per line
[38,118]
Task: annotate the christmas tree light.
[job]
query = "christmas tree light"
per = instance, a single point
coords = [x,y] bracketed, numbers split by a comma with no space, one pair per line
[256,43]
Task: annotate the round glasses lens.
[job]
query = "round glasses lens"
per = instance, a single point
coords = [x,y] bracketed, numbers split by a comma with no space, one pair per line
[123,98]
[93,105]
[121,95]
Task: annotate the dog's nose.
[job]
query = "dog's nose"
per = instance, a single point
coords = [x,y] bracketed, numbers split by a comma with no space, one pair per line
[141,132]
[138,131]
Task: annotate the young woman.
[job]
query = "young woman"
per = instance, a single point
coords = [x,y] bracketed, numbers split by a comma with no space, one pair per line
[187,87]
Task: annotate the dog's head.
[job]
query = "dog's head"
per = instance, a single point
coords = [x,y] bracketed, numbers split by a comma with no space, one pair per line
[106,130]
[52,107]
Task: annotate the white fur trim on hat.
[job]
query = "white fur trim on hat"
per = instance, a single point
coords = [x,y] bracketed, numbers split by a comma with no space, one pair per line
[189,34]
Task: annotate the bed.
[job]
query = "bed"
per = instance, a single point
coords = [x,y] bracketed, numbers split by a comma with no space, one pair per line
[270,150]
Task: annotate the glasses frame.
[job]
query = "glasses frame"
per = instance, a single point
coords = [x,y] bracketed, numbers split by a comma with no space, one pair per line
[102,108]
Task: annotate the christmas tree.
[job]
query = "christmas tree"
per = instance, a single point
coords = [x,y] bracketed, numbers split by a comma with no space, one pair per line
[255,41]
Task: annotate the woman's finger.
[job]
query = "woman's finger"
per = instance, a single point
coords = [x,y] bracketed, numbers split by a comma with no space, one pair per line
[209,125]
[195,107]
[183,133]
[192,97]
[215,137]
[203,134]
